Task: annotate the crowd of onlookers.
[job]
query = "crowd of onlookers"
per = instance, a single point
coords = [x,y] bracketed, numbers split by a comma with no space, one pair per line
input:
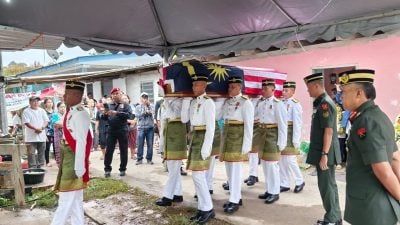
[40,126]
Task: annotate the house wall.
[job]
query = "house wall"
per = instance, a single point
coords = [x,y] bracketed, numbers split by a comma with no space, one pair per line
[134,81]
[120,83]
[375,53]
[97,90]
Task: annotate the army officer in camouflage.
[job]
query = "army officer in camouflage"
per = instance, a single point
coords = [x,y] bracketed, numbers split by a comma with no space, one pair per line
[373,164]
[324,148]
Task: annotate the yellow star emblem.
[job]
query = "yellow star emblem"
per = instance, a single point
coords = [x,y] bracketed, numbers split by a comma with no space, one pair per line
[218,72]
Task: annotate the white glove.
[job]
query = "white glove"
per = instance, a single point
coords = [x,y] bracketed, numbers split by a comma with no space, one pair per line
[205,154]
[296,145]
[80,173]
[245,151]
[281,148]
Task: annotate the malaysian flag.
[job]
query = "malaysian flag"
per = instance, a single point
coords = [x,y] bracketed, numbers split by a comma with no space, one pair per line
[254,76]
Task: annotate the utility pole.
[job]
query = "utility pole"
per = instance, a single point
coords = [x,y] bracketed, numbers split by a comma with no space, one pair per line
[3,111]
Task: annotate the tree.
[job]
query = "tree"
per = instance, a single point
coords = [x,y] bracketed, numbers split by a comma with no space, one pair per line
[14,68]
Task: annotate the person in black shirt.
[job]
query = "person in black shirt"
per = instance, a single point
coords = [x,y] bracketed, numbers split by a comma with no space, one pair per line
[118,114]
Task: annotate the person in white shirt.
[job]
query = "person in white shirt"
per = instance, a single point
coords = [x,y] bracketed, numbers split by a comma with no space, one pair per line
[201,114]
[16,122]
[288,162]
[238,115]
[273,122]
[35,120]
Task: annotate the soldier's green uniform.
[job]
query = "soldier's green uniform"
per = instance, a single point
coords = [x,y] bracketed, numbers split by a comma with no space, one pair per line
[371,141]
[324,116]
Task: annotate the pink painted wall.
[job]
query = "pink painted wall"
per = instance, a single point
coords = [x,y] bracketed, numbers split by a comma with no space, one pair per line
[382,55]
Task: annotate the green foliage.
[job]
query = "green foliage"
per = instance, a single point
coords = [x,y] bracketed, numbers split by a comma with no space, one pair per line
[102,188]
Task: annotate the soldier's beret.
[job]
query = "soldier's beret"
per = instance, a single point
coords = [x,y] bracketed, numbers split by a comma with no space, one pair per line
[114,90]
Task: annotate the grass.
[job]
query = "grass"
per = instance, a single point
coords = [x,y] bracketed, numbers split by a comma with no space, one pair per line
[102,188]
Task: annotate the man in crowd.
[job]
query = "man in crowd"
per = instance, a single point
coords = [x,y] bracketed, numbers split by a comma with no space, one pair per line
[144,113]
[273,122]
[201,113]
[35,120]
[238,114]
[324,150]
[288,162]
[117,114]
[73,174]
[373,163]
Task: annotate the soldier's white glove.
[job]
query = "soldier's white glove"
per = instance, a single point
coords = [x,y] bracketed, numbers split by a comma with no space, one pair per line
[296,145]
[245,151]
[205,154]
[80,173]
[281,148]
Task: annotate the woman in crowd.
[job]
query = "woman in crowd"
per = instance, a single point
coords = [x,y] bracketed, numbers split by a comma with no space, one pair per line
[58,132]
[91,104]
[132,129]
[53,117]
[101,128]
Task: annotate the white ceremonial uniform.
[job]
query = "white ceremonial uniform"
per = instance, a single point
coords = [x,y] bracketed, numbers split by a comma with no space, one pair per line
[273,111]
[70,203]
[201,112]
[253,157]
[240,109]
[172,109]
[288,163]
[219,102]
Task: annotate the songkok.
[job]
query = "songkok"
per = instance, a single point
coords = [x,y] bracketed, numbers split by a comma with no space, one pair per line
[268,82]
[313,77]
[235,80]
[357,76]
[74,85]
[289,84]
[199,77]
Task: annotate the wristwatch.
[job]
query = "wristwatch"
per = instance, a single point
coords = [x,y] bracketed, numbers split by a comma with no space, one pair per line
[324,153]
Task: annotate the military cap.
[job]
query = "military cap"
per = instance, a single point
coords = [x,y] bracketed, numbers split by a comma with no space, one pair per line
[356,76]
[289,84]
[114,90]
[313,77]
[74,85]
[199,77]
[235,80]
[268,82]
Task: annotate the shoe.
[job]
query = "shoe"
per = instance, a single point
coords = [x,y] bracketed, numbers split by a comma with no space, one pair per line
[139,162]
[231,208]
[246,180]
[322,222]
[196,216]
[164,202]
[150,162]
[284,189]
[264,196]
[122,173]
[299,188]
[271,199]
[107,174]
[205,216]
[183,173]
[252,180]
[227,203]
[177,198]
[225,186]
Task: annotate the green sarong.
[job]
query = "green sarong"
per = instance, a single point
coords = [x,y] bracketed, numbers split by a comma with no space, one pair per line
[258,138]
[290,149]
[175,141]
[195,162]
[232,143]
[66,178]
[216,148]
[270,151]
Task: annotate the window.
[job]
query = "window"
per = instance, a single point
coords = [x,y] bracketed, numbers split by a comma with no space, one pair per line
[89,89]
[106,86]
[148,87]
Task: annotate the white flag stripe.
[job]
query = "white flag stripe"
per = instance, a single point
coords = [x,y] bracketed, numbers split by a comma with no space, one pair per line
[266,74]
[258,85]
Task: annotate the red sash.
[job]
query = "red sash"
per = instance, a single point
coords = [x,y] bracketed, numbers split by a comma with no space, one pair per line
[72,144]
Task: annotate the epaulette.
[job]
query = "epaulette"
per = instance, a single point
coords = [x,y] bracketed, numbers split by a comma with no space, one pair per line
[245,97]
[79,108]
[206,97]
[295,100]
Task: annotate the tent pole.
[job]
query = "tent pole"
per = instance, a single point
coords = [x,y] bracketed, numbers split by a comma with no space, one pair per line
[3,111]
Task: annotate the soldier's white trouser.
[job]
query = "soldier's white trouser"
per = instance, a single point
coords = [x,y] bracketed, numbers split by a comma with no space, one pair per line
[271,173]
[70,204]
[235,181]
[228,171]
[287,165]
[174,182]
[203,195]
[253,164]
[210,173]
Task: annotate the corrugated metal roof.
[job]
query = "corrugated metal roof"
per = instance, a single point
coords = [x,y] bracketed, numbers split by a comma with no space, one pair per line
[18,39]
